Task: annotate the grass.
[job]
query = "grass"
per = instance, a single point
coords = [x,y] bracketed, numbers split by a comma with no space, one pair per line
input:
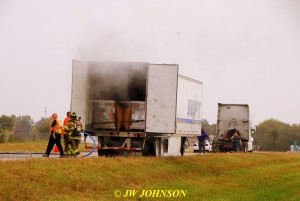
[220,177]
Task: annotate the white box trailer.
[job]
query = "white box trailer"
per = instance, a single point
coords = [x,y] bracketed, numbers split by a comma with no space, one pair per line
[158,107]
[233,117]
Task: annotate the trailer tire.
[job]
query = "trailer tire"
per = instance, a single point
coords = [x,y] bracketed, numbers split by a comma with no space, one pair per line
[107,153]
[101,152]
[221,148]
[245,148]
[182,146]
[145,151]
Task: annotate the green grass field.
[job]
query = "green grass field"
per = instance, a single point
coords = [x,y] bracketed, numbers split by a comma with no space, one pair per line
[220,177]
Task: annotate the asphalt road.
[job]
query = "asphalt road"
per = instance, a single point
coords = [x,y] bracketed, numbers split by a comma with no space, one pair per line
[16,156]
[19,156]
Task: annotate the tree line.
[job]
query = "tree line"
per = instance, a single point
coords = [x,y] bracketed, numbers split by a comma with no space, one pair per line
[10,123]
[275,135]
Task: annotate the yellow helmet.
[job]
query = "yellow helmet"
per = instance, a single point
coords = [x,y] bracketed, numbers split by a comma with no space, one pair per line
[73,116]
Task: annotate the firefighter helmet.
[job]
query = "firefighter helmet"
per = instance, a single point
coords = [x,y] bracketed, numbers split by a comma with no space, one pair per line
[73,116]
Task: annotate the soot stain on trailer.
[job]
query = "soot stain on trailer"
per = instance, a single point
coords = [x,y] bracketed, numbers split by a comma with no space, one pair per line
[118,81]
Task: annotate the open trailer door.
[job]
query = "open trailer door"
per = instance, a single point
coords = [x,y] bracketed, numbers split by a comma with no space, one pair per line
[79,89]
[161,98]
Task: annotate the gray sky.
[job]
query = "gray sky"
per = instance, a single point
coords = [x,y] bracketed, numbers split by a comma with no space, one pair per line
[244,51]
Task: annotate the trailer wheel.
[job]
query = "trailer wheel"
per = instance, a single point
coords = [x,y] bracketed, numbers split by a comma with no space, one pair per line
[101,152]
[182,146]
[145,151]
[245,148]
[107,153]
[221,148]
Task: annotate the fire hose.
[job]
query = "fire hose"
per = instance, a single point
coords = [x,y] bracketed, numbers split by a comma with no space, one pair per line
[94,147]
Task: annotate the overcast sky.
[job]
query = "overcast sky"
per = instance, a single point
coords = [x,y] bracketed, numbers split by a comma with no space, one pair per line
[244,51]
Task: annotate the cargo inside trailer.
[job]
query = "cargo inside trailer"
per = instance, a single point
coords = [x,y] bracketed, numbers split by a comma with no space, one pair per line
[117,95]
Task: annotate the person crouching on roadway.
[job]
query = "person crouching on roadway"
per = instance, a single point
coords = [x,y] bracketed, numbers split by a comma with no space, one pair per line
[74,128]
[66,135]
[55,136]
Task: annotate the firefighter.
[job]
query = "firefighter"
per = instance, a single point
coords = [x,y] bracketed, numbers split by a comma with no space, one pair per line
[74,128]
[66,135]
[55,136]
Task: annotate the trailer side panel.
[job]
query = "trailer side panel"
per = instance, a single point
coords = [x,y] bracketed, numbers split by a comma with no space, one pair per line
[189,106]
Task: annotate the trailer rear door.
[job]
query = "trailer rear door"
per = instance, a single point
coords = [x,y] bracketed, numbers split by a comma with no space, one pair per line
[161,98]
[79,89]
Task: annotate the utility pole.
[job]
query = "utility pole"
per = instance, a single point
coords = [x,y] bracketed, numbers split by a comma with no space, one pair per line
[45,112]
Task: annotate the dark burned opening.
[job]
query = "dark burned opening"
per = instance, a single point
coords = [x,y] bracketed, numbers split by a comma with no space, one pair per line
[118,81]
[118,95]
